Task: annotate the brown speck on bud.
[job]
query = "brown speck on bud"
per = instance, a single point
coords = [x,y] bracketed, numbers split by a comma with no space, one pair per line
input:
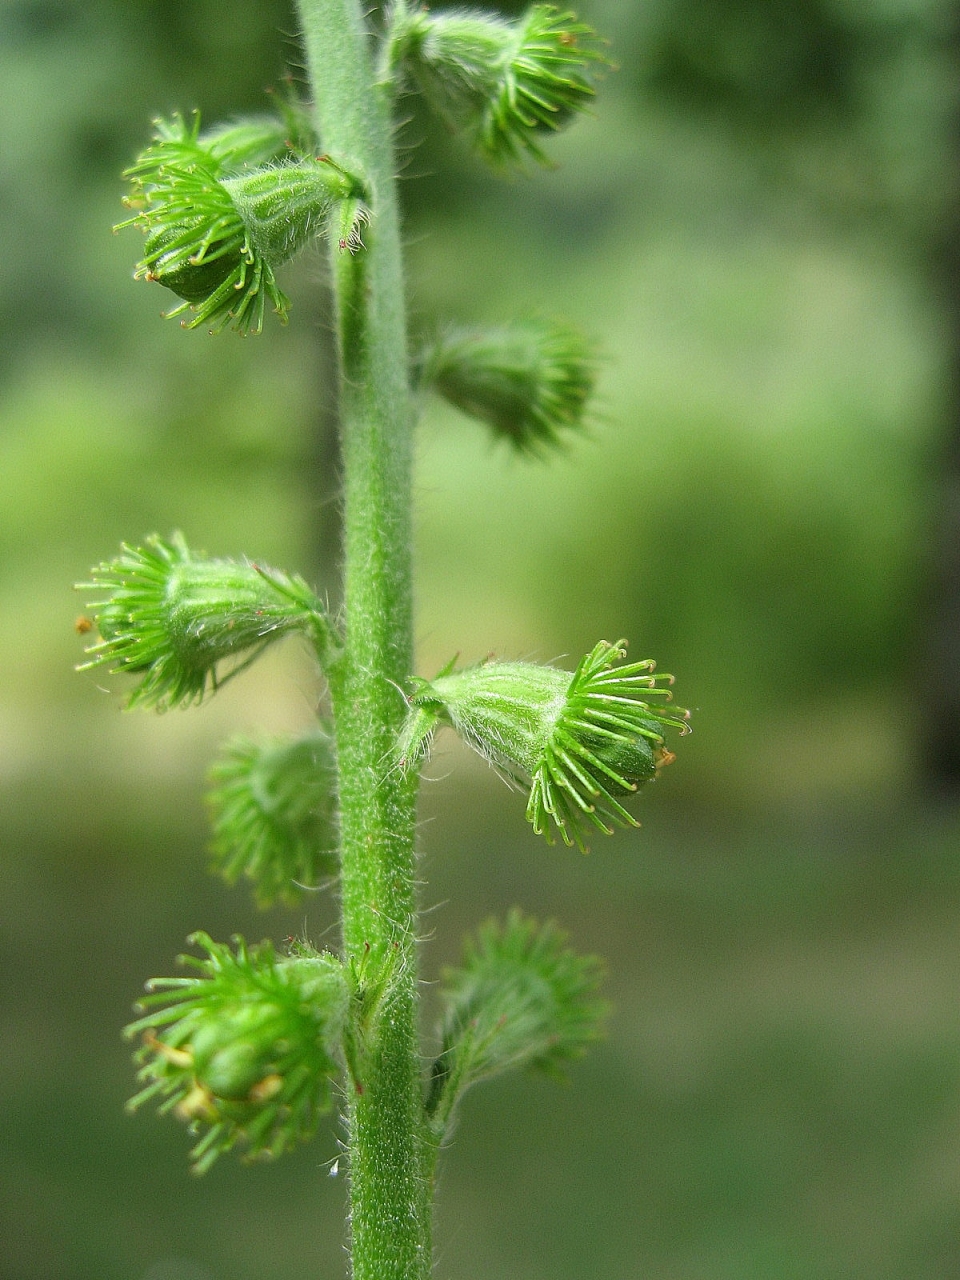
[266,1088]
[197,1105]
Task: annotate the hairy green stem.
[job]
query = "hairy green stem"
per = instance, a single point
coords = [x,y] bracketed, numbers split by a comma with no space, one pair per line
[388,1161]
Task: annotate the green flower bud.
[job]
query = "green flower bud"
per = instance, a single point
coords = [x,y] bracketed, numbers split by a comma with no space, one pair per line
[507,81]
[520,998]
[274,813]
[216,240]
[529,381]
[246,1051]
[585,741]
[172,618]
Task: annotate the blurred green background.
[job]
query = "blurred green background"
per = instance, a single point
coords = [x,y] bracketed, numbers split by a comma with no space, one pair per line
[760,228]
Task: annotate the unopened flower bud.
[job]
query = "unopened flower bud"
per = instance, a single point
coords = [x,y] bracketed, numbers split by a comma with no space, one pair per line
[224,149]
[215,240]
[248,142]
[520,998]
[584,741]
[529,381]
[509,81]
[273,802]
[172,618]
[247,1050]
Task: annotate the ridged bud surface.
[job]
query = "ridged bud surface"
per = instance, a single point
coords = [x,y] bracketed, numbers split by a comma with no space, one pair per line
[215,236]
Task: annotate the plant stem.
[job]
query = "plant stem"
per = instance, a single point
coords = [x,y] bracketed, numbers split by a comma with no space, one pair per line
[389,1195]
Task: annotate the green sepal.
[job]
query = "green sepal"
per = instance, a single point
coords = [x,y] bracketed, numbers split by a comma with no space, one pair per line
[520,999]
[246,1050]
[583,741]
[173,618]
[248,142]
[507,81]
[273,805]
[529,381]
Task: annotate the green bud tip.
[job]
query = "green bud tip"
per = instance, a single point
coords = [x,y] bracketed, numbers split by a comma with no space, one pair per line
[172,618]
[508,81]
[225,149]
[530,381]
[273,804]
[247,1049]
[215,240]
[584,741]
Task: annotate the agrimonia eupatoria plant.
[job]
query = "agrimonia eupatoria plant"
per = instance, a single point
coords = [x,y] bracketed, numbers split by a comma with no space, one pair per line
[253,1047]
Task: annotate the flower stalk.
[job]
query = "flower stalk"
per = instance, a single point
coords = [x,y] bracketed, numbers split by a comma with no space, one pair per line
[390,1193]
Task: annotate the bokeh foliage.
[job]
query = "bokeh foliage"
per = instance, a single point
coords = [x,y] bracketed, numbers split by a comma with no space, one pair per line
[746,227]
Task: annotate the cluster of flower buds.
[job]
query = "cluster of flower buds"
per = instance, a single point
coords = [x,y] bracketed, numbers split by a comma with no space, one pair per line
[172,618]
[217,229]
[584,741]
[223,208]
[245,1051]
[508,81]
[248,1047]
[529,381]
[520,998]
